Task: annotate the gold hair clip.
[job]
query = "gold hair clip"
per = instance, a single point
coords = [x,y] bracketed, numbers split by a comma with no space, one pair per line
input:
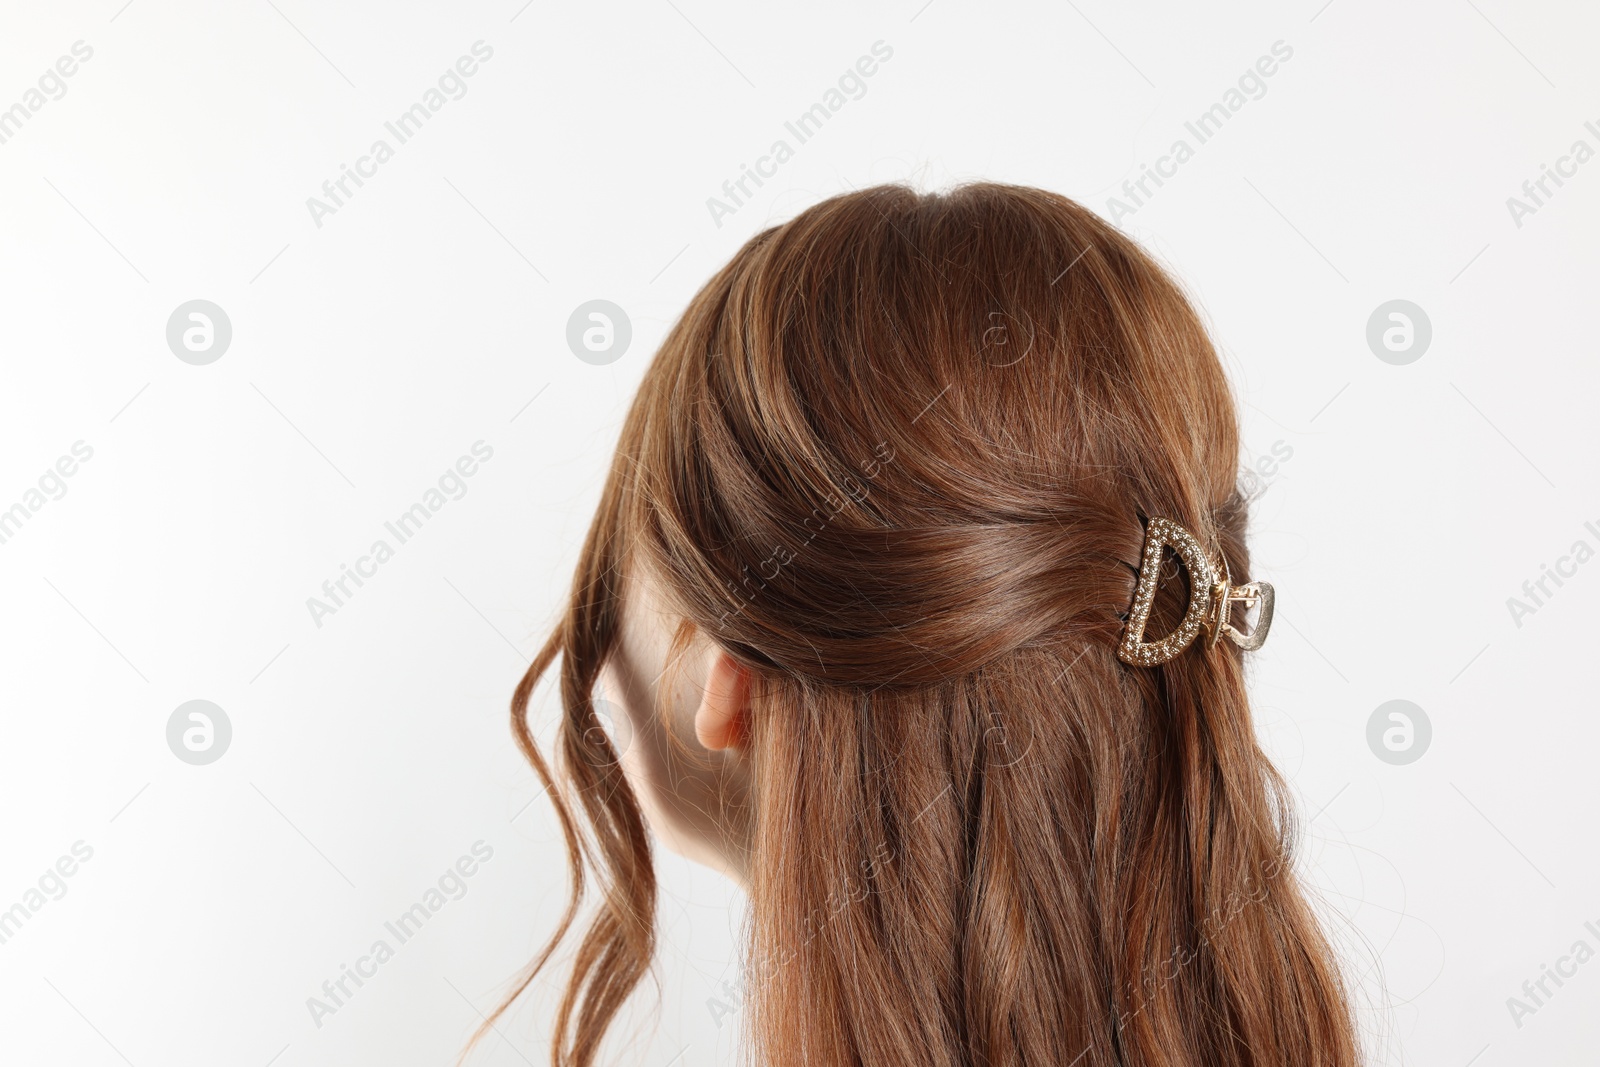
[1211,597]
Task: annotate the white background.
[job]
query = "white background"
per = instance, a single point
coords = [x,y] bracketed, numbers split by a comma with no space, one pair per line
[370,352]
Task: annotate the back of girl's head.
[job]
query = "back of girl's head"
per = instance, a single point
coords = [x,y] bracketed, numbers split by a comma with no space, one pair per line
[897,458]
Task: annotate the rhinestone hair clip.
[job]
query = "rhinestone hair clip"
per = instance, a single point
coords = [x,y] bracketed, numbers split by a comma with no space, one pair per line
[1211,598]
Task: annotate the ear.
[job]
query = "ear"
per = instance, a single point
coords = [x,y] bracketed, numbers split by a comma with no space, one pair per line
[723,715]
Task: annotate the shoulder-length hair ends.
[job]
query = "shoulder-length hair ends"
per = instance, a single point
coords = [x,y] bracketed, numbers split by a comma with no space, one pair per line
[897,458]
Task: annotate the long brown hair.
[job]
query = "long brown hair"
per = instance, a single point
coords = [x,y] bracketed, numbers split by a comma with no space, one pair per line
[897,459]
